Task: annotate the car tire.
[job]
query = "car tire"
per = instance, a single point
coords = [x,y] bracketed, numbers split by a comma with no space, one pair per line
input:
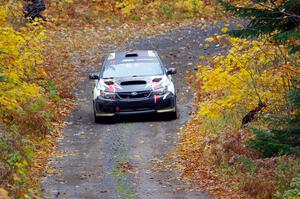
[103,120]
[174,115]
[97,119]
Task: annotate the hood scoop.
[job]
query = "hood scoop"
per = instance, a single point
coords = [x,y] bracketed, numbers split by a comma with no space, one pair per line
[157,79]
[134,82]
[131,55]
[109,82]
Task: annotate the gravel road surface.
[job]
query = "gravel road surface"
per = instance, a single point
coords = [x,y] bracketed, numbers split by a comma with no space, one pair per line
[117,160]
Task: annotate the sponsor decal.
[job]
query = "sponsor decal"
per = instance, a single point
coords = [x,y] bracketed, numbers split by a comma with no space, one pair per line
[155,86]
[112,86]
[155,83]
[156,98]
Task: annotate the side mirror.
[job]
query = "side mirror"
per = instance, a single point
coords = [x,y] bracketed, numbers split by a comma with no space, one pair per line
[94,76]
[171,71]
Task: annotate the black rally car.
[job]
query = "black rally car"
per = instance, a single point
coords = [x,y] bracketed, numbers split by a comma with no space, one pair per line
[134,82]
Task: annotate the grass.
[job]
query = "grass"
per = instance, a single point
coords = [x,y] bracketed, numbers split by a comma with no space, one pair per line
[124,191]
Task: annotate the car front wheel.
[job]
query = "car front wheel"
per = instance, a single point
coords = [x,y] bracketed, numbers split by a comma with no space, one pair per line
[104,119]
[174,115]
[97,119]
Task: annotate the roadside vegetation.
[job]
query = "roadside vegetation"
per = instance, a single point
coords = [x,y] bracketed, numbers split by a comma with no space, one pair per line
[244,138]
[38,72]
[31,104]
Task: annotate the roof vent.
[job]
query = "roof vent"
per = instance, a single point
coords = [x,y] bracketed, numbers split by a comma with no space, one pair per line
[131,55]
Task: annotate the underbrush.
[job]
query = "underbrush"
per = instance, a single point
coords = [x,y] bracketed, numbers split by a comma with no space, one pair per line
[30,104]
[244,139]
[46,65]
[227,168]
[16,154]
[232,158]
[92,13]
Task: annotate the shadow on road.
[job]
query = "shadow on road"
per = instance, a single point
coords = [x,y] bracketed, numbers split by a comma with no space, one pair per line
[137,118]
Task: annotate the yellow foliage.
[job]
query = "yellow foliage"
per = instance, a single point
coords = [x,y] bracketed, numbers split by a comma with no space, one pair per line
[128,6]
[252,71]
[224,30]
[21,60]
[229,86]
[189,7]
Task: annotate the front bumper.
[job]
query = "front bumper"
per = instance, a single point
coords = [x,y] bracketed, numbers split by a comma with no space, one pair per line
[153,104]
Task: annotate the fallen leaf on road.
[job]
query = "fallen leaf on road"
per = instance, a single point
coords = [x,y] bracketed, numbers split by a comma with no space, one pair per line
[126,167]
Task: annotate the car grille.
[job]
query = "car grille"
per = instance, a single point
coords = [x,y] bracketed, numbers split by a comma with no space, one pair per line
[134,95]
[134,109]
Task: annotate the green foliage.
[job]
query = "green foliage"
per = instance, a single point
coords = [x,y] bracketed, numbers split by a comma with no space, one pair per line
[248,164]
[270,144]
[280,19]
[294,191]
[294,49]
[24,117]
[287,35]
[124,191]
[281,140]
[53,92]
[295,98]
[16,154]
[167,10]
[288,179]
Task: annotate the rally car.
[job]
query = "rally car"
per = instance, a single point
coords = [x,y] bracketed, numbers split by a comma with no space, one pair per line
[135,82]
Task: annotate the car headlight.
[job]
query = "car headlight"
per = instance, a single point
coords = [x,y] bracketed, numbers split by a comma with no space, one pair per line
[107,95]
[161,91]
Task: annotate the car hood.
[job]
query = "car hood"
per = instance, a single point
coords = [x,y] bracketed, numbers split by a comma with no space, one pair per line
[132,84]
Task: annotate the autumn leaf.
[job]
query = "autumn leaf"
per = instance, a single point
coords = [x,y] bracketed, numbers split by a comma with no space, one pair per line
[209,39]
[224,30]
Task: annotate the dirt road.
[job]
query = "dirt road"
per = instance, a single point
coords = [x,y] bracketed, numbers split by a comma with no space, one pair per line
[116,160]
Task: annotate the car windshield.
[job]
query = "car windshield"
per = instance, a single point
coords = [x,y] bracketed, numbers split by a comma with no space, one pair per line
[132,69]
